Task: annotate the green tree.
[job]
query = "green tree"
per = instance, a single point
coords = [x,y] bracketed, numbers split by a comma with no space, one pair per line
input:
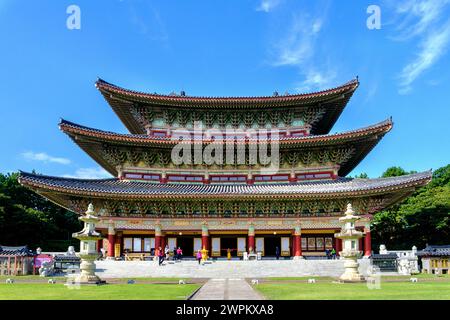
[27,218]
[422,218]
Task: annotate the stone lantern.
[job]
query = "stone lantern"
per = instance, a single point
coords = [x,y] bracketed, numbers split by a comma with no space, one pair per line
[350,246]
[88,248]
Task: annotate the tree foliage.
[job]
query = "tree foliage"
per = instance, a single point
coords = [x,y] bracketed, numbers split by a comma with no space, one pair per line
[422,218]
[26,218]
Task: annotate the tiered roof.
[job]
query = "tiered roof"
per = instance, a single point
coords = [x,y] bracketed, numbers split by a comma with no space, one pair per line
[342,187]
[381,192]
[93,140]
[333,100]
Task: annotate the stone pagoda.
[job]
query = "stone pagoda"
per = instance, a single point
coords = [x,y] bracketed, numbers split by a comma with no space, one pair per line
[88,248]
[350,250]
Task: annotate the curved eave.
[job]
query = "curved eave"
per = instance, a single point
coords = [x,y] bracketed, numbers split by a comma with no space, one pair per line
[334,99]
[364,139]
[130,190]
[74,129]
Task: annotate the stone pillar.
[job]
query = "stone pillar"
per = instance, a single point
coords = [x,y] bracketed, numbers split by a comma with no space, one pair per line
[367,242]
[251,239]
[205,237]
[111,240]
[298,243]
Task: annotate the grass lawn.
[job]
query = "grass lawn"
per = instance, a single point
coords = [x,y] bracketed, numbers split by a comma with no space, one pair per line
[45,291]
[326,290]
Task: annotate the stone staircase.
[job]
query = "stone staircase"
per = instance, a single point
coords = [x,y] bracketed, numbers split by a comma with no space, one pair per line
[225,269]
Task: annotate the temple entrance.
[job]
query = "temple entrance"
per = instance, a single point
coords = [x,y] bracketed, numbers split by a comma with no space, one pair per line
[270,243]
[187,245]
[228,243]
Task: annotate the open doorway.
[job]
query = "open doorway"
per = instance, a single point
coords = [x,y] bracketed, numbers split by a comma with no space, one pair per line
[228,243]
[187,245]
[270,244]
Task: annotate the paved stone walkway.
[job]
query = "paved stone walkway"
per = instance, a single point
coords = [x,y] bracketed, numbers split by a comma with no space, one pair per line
[227,289]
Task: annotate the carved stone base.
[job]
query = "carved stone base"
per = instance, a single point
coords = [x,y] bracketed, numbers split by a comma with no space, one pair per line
[298,258]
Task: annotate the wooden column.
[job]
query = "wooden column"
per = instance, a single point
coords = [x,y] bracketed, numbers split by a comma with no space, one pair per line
[205,237]
[298,242]
[338,246]
[111,241]
[367,242]
[158,236]
[99,245]
[251,239]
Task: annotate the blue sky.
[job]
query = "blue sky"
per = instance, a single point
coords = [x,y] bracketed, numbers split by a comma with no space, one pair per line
[232,47]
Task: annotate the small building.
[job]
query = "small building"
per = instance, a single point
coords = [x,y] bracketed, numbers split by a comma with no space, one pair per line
[16,261]
[435,259]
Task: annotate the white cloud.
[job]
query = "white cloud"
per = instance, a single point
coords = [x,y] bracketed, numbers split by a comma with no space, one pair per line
[44,157]
[427,21]
[418,15]
[297,46]
[431,49]
[89,173]
[267,5]
[316,80]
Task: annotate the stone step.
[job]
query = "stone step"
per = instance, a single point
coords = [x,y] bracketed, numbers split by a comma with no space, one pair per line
[224,269]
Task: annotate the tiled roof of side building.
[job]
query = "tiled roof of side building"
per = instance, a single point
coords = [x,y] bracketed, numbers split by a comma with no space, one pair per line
[15,251]
[124,188]
[436,250]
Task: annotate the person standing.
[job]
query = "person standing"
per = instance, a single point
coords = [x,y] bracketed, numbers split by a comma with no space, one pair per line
[199,256]
[167,251]
[333,253]
[179,253]
[277,253]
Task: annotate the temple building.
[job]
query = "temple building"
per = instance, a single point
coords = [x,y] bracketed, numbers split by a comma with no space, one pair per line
[237,205]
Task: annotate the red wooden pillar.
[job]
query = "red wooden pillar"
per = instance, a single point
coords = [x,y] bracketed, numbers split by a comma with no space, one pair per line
[338,246]
[367,242]
[99,245]
[360,244]
[158,239]
[297,242]
[205,237]
[111,241]
[251,239]
[163,243]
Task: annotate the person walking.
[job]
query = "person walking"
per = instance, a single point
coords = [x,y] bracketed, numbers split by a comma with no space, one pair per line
[160,256]
[199,256]
[277,253]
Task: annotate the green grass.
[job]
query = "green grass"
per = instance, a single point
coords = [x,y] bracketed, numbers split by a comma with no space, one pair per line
[44,291]
[429,290]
